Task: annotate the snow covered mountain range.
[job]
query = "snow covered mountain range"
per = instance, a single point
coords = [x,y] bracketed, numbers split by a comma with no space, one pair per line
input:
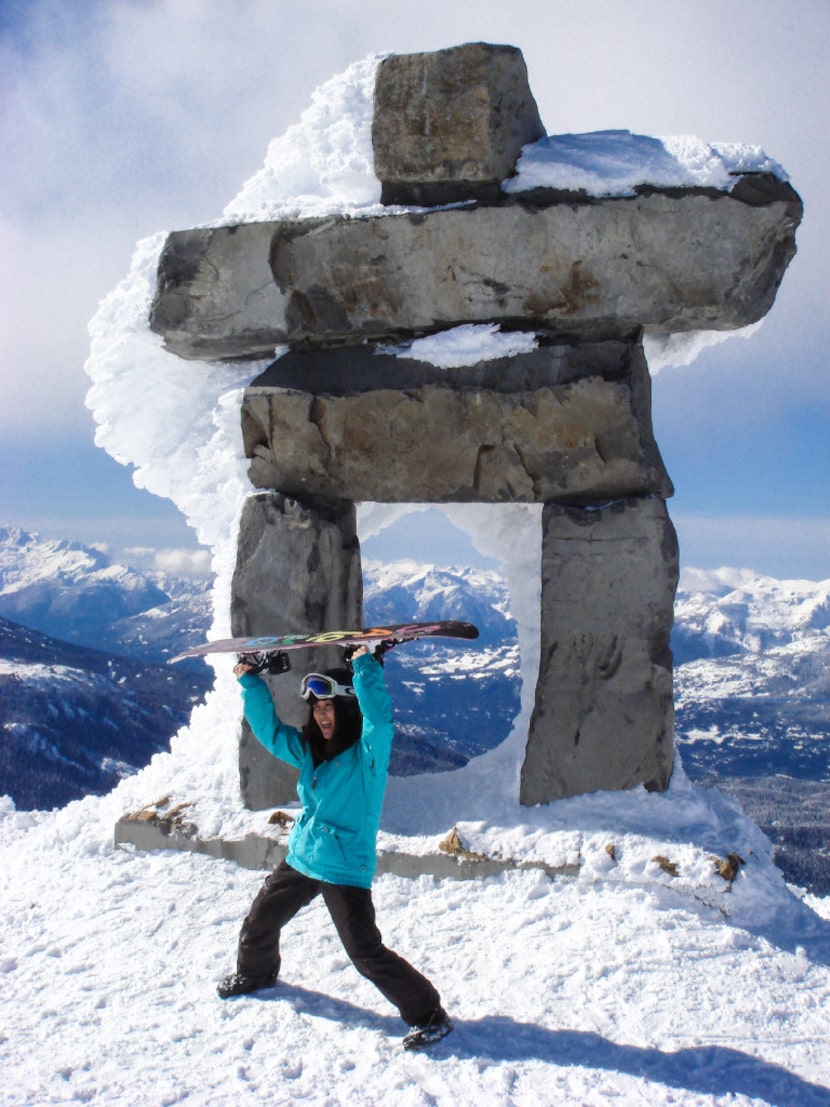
[752,680]
[85,698]
[78,594]
[75,720]
[752,702]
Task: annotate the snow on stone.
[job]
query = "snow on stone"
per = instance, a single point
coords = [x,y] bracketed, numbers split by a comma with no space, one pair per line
[467,344]
[616,163]
[324,163]
[676,350]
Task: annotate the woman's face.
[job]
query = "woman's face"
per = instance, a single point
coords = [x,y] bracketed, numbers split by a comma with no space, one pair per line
[323,712]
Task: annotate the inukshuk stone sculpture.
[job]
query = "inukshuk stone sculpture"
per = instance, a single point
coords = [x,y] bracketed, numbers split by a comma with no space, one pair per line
[333,422]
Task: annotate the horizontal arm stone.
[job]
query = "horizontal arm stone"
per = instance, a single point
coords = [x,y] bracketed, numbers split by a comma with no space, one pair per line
[683,260]
[680,261]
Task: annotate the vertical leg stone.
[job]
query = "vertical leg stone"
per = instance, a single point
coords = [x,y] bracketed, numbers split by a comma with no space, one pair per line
[604,715]
[297,571]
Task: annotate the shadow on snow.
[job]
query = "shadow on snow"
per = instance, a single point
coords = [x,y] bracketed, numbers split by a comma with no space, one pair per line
[705,1069]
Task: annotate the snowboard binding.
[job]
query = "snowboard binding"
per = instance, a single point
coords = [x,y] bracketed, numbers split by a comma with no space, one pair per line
[272,663]
[278,662]
[377,650]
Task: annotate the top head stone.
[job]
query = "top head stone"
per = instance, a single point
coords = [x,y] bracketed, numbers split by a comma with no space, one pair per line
[450,125]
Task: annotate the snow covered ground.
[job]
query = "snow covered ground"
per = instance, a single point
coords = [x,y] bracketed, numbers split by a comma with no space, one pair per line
[624,985]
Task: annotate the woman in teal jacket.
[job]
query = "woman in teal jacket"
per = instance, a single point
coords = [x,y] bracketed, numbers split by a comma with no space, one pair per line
[342,755]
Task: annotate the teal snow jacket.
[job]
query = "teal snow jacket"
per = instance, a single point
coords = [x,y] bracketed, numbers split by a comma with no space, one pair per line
[334,839]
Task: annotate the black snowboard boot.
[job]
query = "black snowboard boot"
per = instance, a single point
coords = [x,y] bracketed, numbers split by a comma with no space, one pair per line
[238,985]
[423,1034]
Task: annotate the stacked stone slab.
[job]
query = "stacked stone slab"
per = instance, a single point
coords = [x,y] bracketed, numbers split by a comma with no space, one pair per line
[567,422]
[337,420]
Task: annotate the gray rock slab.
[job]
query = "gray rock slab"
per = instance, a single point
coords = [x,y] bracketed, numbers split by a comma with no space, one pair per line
[604,715]
[215,295]
[449,125]
[260,851]
[297,571]
[568,422]
[673,261]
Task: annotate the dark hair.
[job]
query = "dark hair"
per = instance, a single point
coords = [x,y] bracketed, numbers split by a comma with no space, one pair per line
[348,723]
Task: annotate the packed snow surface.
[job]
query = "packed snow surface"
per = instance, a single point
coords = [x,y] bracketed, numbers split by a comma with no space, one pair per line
[648,978]
[625,984]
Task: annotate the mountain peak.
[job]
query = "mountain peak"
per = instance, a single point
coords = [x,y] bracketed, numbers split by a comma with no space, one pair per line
[26,557]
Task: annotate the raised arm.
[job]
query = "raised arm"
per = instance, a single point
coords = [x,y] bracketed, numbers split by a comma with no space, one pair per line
[279,739]
[375,705]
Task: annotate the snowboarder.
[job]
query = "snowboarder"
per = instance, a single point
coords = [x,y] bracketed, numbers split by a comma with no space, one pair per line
[342,754]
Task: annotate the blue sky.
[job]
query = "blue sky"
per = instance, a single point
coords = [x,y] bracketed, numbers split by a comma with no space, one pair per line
[118,119]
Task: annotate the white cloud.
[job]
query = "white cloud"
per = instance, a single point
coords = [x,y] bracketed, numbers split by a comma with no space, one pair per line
[717,581]
[787,549]
[179,562]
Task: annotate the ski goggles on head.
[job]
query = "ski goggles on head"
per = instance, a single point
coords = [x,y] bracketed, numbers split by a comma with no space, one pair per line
[323,687]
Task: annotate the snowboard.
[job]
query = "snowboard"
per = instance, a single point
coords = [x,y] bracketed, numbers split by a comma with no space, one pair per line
[391,635]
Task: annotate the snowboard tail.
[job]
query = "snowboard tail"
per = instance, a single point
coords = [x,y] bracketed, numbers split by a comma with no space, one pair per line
[392,634]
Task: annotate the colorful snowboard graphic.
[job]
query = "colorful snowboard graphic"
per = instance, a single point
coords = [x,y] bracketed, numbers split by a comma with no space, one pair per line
[393,634]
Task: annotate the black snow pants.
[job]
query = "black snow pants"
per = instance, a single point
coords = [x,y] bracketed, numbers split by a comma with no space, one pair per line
[279,899]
